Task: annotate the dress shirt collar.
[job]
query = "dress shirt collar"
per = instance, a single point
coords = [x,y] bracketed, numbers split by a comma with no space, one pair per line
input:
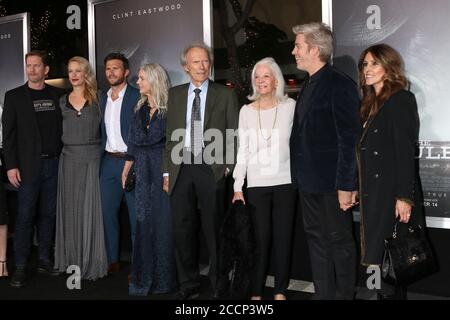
[121,92]
[203,87]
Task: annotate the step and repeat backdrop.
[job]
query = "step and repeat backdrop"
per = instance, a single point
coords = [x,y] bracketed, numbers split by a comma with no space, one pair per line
[147,31]
[419,30]
[14,43]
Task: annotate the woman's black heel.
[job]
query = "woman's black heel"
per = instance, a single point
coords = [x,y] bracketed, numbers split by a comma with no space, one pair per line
[3,270]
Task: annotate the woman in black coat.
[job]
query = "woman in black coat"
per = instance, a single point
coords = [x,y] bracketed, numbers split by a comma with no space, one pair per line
[388,174]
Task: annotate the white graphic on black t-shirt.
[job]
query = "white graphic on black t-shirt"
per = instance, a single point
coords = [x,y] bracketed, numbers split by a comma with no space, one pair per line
[44,105]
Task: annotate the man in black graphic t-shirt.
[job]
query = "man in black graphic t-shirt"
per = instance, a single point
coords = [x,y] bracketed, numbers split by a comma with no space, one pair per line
[32,129]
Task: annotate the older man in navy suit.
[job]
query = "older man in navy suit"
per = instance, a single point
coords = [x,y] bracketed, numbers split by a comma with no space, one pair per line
[117,105]
[323,139]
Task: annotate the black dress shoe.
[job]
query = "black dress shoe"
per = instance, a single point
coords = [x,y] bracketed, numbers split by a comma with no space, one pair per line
[114,267]
[218,294]
[188,293]
[400,293]
[45,267]
[385,297]
[19,279]
[3,270]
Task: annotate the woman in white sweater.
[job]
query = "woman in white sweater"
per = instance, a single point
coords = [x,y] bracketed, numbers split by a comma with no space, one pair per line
[263,158]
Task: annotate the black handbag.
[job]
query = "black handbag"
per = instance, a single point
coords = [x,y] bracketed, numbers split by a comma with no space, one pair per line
[236,252]
[407,257]
[131,180]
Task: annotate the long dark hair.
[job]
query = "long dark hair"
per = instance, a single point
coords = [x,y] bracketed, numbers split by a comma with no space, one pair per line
[394,79]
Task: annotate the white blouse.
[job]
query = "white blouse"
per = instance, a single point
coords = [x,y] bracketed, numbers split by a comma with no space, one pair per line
[263,154]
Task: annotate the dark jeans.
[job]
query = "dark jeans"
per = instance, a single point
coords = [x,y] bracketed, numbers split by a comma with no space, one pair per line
[332,249]
[112,195]
[42,189]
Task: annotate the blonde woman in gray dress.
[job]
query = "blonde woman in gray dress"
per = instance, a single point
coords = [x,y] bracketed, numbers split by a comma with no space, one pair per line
[79,223]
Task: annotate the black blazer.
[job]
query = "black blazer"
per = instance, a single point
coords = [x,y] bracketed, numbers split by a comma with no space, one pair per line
[324,135]
[21,136]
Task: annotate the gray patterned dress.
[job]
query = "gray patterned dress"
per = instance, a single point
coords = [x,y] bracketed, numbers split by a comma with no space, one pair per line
[80,238]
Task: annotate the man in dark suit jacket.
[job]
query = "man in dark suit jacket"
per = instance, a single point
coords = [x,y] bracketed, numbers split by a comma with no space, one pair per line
[117,107]
[323,140]
[195,166]
[32,129]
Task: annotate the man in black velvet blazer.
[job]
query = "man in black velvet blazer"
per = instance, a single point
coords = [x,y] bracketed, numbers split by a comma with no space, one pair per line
[323,162]
[32,129]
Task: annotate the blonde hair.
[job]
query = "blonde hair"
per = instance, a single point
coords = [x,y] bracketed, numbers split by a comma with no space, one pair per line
[159,82]
[90,83]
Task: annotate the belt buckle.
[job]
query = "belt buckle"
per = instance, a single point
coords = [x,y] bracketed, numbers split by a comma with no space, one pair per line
[116,154]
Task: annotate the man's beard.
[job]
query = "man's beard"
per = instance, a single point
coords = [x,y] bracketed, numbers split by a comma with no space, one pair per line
[35,79]
[117,82]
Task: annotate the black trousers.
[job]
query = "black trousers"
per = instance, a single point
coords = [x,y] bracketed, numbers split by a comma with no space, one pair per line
[194,201]
[3,204]
[275,208]
[332,249]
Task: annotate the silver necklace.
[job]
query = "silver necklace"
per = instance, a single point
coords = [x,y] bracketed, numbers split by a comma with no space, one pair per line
[268,139]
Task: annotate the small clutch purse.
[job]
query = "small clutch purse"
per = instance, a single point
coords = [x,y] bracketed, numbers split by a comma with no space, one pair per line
[407,257]
[131,180]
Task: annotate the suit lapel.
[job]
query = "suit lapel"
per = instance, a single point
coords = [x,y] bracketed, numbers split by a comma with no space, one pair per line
[181,104]
[321,78]
[303,110]
[124,110]
[29,109]
[209,105]
[103,100]
[366,129]
[369,123]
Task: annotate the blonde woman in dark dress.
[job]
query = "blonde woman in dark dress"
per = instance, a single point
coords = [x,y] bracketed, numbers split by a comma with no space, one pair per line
[153,267]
